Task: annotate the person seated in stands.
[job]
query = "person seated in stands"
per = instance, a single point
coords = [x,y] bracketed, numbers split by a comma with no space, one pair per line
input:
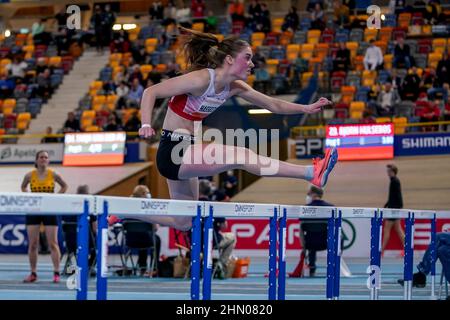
[447,112]
[40,36]
[291,20]
[135,94]
[156,11]
[395,79]
[434,11]
[109,87]
[120,43]
[443,69]
[45,89]
[341,61]
[41,65]
[72,124]
[317,17]
[262,79]
[49,136]
[7,86]
[133,124]
[230,184]
[264,24]
[387,99]
[429,81]
[341,14]
[410,85]
[236,10]
[112,124]
[17,68]
[211,22]
[373,59]
[429,112]
[63,41]
[122,93]
[136,74]
[402,54]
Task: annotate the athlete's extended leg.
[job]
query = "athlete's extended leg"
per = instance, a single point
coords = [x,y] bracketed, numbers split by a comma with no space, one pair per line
[209,159]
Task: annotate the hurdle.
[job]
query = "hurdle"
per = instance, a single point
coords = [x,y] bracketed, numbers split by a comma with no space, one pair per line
[306,212]
[21,203]
[136,208]
[240,210]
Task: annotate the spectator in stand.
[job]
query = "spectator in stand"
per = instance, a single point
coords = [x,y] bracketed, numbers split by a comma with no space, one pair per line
[341,13]
[387,99]
[211,22]
[253,14]
[184,16]
[433,12]
[136,74]
[72,124]
[402,55]
[156,11]
[112,124]
[429,81]
[312,4]
[170,14]
[443,69]
[109,18]
[291,20]
[41,65]
[258,59]
[410,85]
[230,184]
[236,10]
[133,124]
[122,93]
[16,68]
[7,86]
[317,17]
[373,59]
[63,41]
[61,19]
[45,89]
[428,111]
[198,9]
[447,112]
[40,36]
[394,79]
[49,136]
[266,24]
[121,43]
[135,93]
[341,61]
[97,22]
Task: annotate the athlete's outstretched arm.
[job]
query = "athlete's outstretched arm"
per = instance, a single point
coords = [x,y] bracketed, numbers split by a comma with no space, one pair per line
[188,83]
[275,105]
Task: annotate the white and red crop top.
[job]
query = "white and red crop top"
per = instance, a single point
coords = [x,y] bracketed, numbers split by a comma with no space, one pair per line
[197,108]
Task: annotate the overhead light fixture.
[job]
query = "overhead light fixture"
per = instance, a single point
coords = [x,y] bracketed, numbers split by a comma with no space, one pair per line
[258,111]
[117,27]
[129,26]
[7,33]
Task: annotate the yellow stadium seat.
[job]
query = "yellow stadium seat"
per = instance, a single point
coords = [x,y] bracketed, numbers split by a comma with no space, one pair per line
[388,58]
[150,45]
[348,93]
[353,47]
[356,114]
[127,113]
[313,61]
[198,26]
[276,24]
[322,50]
[307,51]
[292,51]
[96,85]
[4,62]
[92,128]
[433,59]
[370,34]
[55,61]
[382,45]
[258,38]
[404,19]
[305,78]
[286,38]
[23,120]
[100,99]
[115,57]
[146,69]
[439,45]
[251,79]
[161,68]
[385,34]
[272,66]
[383,120]
[313,36]
[400,125]
[220,37]
[28,48]
[357,106]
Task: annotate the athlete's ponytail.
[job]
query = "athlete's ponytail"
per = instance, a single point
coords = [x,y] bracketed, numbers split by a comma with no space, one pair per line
[204,50]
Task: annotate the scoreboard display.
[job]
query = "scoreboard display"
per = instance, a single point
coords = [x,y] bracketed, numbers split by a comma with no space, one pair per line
[362,141]
[94,149]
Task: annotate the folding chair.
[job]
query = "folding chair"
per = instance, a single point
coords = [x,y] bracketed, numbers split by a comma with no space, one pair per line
[138,235]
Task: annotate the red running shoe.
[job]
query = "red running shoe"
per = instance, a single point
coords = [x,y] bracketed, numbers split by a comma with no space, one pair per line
[323,167]
[31,278]
[56,278]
